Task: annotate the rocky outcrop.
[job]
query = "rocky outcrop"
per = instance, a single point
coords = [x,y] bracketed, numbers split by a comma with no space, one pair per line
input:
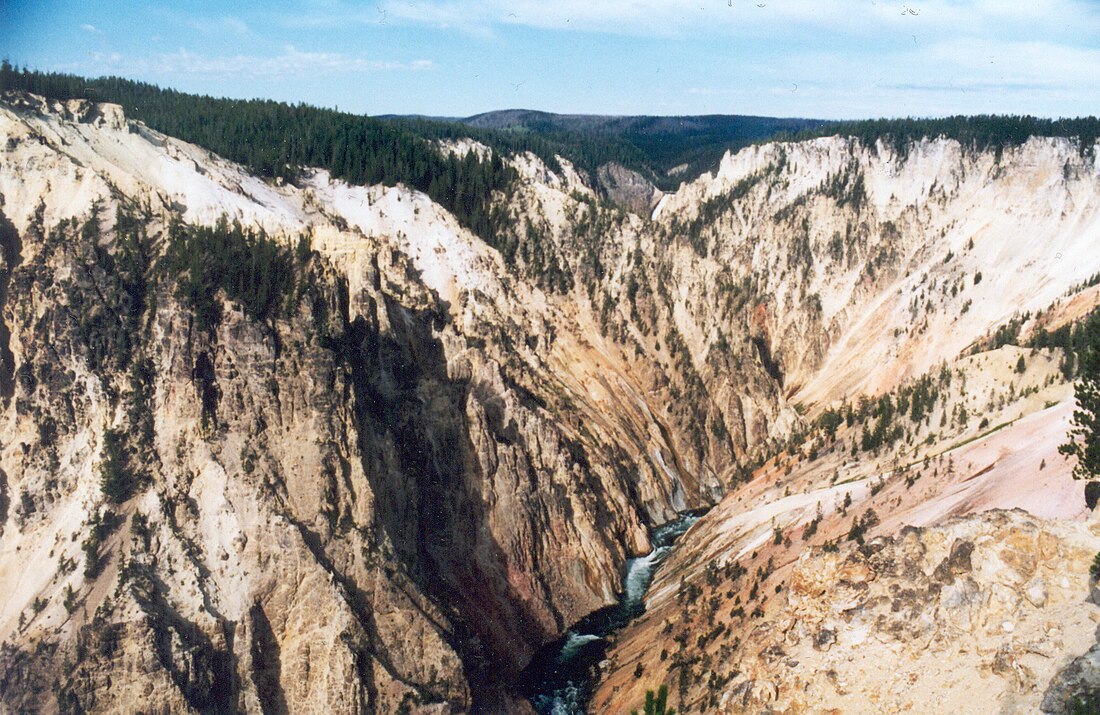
[976,615]
[1076,687]
[628,189]
[883,281]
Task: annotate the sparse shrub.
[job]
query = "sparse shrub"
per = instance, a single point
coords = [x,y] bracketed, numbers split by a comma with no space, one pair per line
[656,704]
[115,478]
[1084,433]
[860,526]
[70,599]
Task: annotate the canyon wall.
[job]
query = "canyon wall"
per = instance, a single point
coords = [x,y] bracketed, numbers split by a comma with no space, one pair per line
[386,487]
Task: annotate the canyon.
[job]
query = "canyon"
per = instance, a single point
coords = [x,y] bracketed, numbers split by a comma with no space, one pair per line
[425,459]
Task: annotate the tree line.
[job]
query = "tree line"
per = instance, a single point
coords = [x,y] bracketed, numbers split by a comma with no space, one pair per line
[277,140]
[981,132]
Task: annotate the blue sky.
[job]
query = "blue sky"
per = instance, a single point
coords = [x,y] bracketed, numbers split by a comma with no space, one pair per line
[810,58]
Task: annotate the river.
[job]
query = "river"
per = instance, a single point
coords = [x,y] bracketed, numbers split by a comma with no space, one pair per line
[561,678]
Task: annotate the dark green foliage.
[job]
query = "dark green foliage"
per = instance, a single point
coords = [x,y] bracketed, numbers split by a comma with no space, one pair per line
[1092,492]
[277,140]
[1074,340]
[1007,333]
[714,208]
[885,430]
[980,132]
[860,525]
[1094,569]
[102,525]
[1021,365]
[115,477]
[1087,283]
[139,527]
[265,277]
[587,150]
[653,146]
[1084,433]
[846,187]
[70,599]
[109,298]
[919,397]
[1084,706]
[829,421]
[253,269]
[656,704]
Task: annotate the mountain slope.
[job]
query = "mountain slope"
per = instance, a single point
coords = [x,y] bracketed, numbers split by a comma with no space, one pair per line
[345,454]
[879,284]
[399,448]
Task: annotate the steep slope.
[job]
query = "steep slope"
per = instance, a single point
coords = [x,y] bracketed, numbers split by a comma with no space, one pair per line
[878,285]
[973,615]
[383,494]
[859,256]
[363,460]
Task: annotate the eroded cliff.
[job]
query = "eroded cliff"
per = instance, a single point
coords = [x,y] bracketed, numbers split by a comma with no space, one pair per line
[293,447]
[383,490]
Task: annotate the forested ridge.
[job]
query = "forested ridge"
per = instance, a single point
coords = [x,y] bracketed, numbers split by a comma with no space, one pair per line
[666,150]
[980,132]
[276,140]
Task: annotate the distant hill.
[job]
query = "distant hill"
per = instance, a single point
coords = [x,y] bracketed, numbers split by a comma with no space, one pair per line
[668,149]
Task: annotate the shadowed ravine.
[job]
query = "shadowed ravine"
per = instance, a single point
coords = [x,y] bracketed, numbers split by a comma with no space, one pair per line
[561,676]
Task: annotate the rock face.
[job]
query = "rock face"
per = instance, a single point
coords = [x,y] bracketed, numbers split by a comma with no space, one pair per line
[384,497]
[384,489]
[1075,686]
[977,615]
[628,188]
[898,250]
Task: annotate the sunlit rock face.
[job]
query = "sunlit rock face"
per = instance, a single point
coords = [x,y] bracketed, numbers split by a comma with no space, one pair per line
[432,458]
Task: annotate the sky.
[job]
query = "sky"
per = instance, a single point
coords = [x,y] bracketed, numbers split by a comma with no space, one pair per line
[792,58]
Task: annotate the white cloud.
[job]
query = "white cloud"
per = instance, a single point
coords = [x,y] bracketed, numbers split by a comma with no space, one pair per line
[751,17]
[91,29]
[291,63]
[958,76]
[220,26]
[826,58]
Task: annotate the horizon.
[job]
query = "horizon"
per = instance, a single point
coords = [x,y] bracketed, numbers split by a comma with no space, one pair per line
[461,58]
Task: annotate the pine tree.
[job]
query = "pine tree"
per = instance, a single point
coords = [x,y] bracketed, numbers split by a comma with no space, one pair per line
[1084,433]
[114,478]
[656,704]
